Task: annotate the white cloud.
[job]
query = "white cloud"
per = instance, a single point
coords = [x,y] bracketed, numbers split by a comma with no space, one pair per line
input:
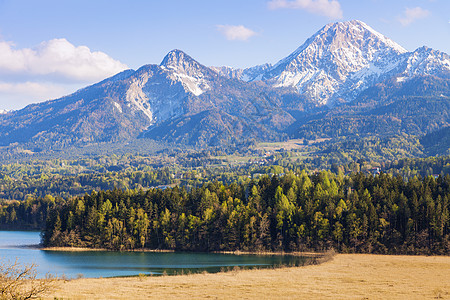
[58,58]
[51,70]
[329,8]
[412,14]
[239,32]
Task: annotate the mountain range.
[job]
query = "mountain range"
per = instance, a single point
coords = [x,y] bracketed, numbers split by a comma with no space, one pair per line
[347,79]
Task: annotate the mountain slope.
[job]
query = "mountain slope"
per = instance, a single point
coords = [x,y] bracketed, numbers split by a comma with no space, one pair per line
[124,106]
[343,59]
[346,80]
[437,142]
[339,59]
[416,107]
[89,115]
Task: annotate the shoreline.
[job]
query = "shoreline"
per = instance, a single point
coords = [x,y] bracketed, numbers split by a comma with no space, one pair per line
[294,253]
[86,249]
[309,254]
[346,276]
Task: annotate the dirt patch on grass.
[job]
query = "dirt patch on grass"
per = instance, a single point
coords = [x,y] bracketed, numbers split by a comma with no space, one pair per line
[345,276]
[288,145]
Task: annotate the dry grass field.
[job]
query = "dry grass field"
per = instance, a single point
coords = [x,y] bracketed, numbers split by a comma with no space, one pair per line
[287,145]
[347,276]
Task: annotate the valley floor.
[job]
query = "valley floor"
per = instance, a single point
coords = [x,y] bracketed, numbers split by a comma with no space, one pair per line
[346,276]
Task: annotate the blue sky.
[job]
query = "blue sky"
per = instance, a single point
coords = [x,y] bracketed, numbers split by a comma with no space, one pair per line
[51,48]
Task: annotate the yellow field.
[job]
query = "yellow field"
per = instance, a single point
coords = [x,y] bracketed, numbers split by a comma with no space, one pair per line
[287,145]
[347,276]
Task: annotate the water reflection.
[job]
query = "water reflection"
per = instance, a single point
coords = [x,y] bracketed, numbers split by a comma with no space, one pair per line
[109,264]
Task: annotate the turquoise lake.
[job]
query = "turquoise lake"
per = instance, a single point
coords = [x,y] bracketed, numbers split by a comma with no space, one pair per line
[16,245]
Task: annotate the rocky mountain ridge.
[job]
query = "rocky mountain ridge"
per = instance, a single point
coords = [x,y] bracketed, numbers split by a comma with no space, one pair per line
[342,59]
[180,100]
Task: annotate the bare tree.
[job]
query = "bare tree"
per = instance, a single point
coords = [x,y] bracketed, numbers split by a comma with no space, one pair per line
[20,281]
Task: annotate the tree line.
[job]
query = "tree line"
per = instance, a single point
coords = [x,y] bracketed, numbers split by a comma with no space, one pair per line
[357,213]
[65,186]
[30,214]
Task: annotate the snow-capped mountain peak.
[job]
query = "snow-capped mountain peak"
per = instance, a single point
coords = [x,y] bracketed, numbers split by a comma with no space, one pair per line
[188,71]
[177,59]
[356,26]
[322,66]
[426,61]
[183,100]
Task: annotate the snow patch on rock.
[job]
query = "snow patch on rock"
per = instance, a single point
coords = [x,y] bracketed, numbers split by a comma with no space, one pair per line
[117,105]
[187,71]
[196,86]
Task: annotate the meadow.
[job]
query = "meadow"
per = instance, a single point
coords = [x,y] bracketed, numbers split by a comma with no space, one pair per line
[346,276]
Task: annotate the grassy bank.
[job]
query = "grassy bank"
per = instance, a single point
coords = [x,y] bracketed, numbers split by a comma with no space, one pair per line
[346,276]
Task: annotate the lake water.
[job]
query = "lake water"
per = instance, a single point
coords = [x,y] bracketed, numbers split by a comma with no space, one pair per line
[108,264]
